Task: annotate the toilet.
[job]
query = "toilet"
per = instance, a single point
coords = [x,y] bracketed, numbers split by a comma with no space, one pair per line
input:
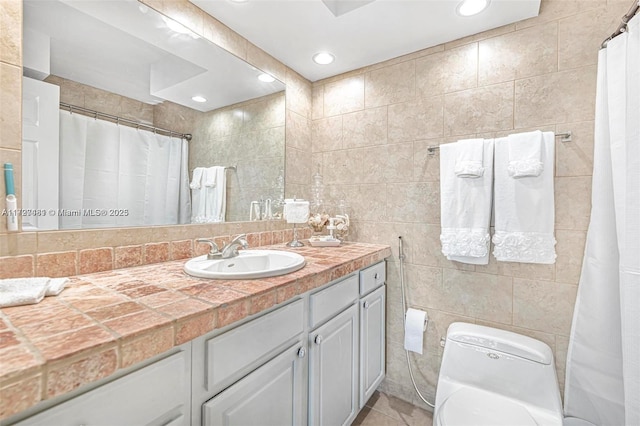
[492,377]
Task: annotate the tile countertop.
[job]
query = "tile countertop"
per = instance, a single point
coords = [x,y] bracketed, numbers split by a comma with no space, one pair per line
[106,321]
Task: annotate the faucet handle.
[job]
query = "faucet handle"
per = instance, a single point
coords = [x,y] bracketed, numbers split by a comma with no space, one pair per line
[214,251]
[240,239]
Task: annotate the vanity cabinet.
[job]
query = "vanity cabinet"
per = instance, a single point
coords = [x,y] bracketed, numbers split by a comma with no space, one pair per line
[314,360]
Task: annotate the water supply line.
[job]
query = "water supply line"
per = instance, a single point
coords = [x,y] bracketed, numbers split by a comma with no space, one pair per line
[404,310]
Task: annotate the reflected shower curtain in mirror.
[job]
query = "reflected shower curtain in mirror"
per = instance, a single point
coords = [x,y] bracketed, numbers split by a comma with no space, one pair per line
[603,362]
[136,176]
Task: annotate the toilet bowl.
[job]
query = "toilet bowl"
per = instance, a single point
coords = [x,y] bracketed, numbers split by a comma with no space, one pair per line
[492,377]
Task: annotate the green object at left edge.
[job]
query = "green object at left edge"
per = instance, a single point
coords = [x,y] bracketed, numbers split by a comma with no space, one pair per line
[8,179]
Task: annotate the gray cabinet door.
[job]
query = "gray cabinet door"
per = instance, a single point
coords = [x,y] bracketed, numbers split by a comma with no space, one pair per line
[333,370]
[372,343]
[271,395]
[157,394]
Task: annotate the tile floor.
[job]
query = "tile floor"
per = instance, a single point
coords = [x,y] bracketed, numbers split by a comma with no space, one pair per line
[385,410]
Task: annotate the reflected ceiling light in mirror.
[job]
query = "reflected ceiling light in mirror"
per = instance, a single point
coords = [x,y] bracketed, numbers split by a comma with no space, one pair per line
[199,98]
[471,7]
[178,28]
[323,58]
[266,78]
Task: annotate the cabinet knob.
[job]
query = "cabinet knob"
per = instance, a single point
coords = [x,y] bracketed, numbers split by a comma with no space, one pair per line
[375,276]
[301,353]
[365,304]
[318,339]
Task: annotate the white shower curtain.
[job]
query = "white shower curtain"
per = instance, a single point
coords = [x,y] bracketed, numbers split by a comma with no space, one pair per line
[603,363]
[137,177]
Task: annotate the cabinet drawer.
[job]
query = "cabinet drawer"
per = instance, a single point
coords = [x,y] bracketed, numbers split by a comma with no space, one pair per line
[157,394]
[332,300]
[232,354]
[372,277]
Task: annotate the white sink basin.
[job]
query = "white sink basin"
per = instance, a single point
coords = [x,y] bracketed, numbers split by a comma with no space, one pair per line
[248,265]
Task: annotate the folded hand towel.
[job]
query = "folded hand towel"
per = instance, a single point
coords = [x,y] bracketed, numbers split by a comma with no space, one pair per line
[524,154]
[469,158]
[524,209]
[465,208]
[27,291]
[196,180]
[297,211]
[209,176]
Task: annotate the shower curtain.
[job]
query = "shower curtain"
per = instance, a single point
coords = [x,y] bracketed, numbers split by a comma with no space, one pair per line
[114,175]
[603,362]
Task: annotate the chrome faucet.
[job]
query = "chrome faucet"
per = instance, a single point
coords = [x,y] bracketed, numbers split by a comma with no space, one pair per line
[231,249]
[214,251]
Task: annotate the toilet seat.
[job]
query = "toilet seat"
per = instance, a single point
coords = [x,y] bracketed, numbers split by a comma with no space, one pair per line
[474,407]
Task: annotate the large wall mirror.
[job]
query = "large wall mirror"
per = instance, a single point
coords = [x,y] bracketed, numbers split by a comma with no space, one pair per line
[131,119]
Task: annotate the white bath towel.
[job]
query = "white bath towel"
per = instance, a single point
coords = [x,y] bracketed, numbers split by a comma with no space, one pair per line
[27,291]
[524,209]
[196,180]
[197,196]
[525,157]
[465,206]
[469,158]
[216,194]
[297,211]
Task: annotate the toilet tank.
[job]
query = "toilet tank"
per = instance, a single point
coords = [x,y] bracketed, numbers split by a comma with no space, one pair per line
[499,361]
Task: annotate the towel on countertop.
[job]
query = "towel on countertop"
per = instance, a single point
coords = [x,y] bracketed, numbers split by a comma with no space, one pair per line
[465,207]
[469,158]
[525,154]
[524,208]
[27,291]
[297,211]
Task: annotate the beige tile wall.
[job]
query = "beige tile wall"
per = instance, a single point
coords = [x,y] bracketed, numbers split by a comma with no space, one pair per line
[370,132]
[23,253]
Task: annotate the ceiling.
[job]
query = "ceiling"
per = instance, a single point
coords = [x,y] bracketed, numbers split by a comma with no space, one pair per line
[126,48]
[365,33]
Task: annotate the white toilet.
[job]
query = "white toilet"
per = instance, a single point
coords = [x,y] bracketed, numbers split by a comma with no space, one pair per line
[492,377]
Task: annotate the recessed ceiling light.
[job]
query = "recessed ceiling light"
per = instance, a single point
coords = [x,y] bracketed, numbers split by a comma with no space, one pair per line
[266,78]
[471,7]
[199,98]
[177,27]
[323,58]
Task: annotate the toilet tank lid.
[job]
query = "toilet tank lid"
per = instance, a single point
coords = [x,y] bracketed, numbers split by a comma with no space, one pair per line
[500,340]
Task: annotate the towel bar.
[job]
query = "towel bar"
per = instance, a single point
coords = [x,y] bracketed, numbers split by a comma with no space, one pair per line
[565,137]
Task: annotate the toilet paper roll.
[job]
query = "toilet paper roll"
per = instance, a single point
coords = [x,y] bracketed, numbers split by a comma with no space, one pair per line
[414,326]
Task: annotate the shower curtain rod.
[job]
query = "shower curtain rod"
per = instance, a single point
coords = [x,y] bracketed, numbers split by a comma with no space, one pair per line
[120,120]
[566,137]
[623,26]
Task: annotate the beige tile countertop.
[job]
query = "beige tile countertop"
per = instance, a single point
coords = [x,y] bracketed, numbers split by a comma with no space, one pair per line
[107,321]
